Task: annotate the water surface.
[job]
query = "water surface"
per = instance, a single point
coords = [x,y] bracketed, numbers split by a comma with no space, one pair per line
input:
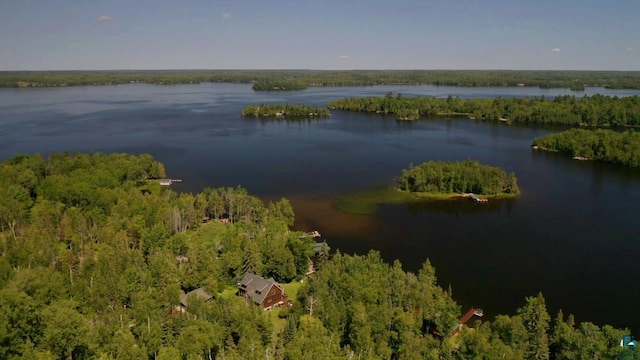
[573,234]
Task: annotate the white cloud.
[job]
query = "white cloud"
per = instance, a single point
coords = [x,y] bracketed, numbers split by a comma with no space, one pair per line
[555,49]
[344,56]
[630,48]
[226,15]
[105,18]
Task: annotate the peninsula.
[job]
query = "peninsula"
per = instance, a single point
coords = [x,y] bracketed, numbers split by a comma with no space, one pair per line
[597,110]
[284,111]
[620,148]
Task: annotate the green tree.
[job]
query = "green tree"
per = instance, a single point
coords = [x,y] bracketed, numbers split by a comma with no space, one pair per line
[64,329]
[535,319]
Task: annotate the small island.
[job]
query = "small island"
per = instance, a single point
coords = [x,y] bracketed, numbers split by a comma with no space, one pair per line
[449,179]
[284,111]
[620,148]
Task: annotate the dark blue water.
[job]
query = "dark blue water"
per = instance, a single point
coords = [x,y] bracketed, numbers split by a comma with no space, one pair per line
[573,234]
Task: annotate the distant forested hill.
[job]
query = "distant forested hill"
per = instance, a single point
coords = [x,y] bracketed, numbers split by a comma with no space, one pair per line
[299,79]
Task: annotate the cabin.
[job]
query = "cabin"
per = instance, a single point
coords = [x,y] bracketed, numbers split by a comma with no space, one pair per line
[199,293]
[320,246]
[263,292]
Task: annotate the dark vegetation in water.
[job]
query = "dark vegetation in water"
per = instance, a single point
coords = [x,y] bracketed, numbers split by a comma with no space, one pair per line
[300,79]
[621,148]
[450,177]
[285,111]
[597,110]
[95,256]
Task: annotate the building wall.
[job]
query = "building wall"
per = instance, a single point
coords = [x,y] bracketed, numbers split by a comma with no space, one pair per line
[275,294]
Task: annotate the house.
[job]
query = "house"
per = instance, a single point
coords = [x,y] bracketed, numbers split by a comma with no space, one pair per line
[200,293]
[266,293]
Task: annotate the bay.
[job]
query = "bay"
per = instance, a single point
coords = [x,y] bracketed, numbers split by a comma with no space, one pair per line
[573,234]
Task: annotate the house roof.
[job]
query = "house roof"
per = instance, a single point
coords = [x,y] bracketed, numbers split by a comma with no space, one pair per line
[199,292]
[317,247]
[256,287]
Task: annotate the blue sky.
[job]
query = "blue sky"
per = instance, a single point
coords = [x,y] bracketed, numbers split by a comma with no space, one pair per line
[317,34]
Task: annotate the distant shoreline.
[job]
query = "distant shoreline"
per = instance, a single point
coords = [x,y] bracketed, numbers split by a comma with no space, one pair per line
[569,79]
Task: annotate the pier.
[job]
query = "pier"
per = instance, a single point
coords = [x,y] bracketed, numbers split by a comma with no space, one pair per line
[476,198]
[168,182]
[313,234]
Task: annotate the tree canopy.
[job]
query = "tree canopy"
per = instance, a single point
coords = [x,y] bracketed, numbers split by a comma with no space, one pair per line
[621,148]
[458,178]
[596,110]
[95,255]
[300,79]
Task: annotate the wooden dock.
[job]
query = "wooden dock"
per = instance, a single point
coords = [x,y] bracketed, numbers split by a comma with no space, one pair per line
[476,198]
[168,182]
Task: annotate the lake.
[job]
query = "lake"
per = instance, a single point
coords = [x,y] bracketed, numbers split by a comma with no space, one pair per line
[573,234]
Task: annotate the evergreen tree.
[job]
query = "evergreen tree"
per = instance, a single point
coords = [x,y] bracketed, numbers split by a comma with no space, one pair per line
[536,320]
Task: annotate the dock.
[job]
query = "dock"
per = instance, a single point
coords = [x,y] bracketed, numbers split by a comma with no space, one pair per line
[475,198]
[168,182]
[313,234]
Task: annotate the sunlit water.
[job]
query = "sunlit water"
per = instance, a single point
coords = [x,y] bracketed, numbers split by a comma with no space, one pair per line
[573,234]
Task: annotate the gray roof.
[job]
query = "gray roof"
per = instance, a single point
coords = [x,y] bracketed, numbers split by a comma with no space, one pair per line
[317,247]
[256,287]
[199,292]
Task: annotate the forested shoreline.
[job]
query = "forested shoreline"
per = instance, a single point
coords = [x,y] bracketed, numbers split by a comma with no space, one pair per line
[95,255]
[285,111]
[299,79]
[279,85]
[620,148]
[596,110]
[451,177]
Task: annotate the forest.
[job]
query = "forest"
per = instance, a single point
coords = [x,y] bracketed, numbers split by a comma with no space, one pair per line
[596,110]
[279,85]
[299,79]
[458,177]
[285,111]
[620,148]
[96,253]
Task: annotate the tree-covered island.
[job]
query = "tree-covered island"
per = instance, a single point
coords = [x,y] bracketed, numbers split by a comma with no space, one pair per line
[287,111]
[99,261]
[621,148]
[596,110]
[447,178]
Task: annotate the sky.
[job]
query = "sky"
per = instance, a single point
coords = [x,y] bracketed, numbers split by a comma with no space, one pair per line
[319,34]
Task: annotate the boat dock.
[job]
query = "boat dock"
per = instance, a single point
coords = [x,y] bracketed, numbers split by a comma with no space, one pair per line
[313,234]
[168,182]
[475,198]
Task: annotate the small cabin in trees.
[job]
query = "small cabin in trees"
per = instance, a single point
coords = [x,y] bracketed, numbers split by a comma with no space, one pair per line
[264,292]
[199,293]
